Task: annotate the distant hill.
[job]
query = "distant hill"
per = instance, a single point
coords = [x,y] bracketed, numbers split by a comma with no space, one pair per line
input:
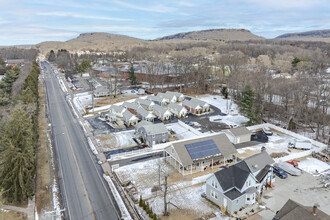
[319,35]
[97,41]
[216,34]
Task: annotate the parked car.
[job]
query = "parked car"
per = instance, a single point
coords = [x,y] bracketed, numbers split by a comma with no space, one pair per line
[302,145]
[259,136]
[267,130]
[279,172]
[189,123]
[289,168]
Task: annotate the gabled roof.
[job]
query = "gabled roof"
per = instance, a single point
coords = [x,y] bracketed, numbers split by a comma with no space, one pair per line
[200,102]
[128,115]
[155,129]
[116,108]
[293,210]
[155,98]
[175,106]
[165,95]
[144,112]
[233,176]
[234,194]
[240,131]
[261,175]
[259,161]
[131,105]
[142,123]
[222,142]
[159,109]
[144,102]
[191,103]
[177,94]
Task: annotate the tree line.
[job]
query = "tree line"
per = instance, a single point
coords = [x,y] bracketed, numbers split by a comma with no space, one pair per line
[18,142]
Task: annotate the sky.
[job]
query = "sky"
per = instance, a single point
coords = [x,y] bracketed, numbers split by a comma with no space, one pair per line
[35,21]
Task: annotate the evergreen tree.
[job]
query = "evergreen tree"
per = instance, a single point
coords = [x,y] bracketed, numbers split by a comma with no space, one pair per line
[132,75]
[17,158]
[248,106]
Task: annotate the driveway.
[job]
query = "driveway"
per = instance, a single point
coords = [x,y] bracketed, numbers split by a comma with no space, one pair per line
[305,189]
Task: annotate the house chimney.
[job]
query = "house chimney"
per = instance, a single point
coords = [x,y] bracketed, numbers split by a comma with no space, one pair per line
[263,148]
[314,210]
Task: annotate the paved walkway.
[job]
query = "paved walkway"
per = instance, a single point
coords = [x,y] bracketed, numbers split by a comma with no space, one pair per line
[29,210]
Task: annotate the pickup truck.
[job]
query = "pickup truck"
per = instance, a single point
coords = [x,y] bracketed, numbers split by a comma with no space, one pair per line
[302,145]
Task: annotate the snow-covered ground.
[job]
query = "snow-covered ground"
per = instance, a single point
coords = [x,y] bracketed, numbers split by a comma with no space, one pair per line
[188,199]
[311,165]
[226,106]
[181,132]
[117,140]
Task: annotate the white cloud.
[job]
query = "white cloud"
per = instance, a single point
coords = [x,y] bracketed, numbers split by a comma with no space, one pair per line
[288,4]
[155,8]
[75,15]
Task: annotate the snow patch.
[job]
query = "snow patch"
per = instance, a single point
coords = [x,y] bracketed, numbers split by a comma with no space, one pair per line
[311,165]
[92,146]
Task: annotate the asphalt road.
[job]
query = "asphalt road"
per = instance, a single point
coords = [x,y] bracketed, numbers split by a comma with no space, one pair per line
[84,192]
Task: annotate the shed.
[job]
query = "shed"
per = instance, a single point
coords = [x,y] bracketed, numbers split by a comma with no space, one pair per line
[238,135]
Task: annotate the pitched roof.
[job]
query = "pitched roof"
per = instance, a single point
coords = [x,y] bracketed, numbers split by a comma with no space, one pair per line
[222,142]
[144,102]
[154,98]
[200,102]
[154,129]
[261,175]
[234,176]
[234,194]
[116,108]
[177,94]
[165,95]
[259,161]
[128,115]
[293,210]
[142,123]
[175,106]
[159,109]
[191,103]
[240,131]
[131,105]
[143,112]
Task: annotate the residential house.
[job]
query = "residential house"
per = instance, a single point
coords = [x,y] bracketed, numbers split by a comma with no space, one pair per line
[205,106]
[240,184]
[117,110]
[238,135]
[196,106]
[178,110]
[129,118]
[152,134]
[168,97]
[194,155]
[131,106]
[145,115]
[161,112]
[294,210]
[179,96]
[157,100]
[107,116]
[192,107]
[145,103]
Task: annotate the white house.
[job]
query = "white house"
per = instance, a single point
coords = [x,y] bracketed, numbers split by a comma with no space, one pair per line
[117,110]
[145,115]
[240,185]
[145,103]
[158,100]
[192,107]
[161,113]
[178,110]
[129,118]
[169,98]
[205,106]
[179,96]
[238,135]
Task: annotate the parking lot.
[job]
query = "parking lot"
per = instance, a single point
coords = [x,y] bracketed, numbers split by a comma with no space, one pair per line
[305,189]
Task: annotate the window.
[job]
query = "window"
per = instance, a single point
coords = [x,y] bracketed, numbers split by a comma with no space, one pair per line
[214,194]
[214,184]
[248,183]
[248,198]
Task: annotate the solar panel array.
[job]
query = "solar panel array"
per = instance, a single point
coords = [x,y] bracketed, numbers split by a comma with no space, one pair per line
[202,149]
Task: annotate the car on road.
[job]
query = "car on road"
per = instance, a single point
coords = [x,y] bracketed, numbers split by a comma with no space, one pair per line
[267,130]
[279,172]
